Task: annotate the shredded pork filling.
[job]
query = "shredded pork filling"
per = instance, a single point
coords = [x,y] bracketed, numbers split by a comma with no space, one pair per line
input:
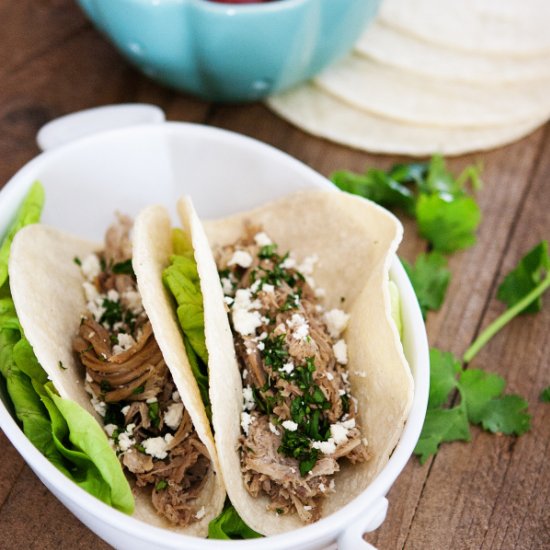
[131,387]
[299,417]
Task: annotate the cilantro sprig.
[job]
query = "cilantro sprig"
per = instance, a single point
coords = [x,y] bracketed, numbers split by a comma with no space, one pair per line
[446,214]
[482,402]
[521,291]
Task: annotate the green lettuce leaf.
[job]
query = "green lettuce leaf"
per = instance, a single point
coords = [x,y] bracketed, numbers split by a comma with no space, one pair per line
[182,280]
[29,212]
[229,526]
[61,430]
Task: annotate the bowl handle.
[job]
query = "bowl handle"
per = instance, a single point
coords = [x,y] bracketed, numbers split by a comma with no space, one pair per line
[77,125]
[352,537]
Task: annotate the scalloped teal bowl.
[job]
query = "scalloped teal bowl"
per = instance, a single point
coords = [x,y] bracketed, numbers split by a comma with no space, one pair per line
[231,52]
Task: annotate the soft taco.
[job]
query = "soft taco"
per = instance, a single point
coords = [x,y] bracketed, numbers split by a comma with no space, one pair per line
[309,385]
[105,346]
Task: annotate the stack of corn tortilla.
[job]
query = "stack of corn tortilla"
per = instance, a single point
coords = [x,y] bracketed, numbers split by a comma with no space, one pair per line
[434,76]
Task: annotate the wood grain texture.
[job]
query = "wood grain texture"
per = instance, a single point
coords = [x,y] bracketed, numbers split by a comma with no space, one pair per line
[490,493]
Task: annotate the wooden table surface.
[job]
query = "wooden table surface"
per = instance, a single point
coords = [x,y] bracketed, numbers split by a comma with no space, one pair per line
[493,492]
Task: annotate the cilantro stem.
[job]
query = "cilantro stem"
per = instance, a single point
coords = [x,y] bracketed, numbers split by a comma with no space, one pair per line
[505,318]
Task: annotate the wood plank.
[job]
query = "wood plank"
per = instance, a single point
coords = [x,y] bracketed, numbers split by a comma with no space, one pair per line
[12,466]
[34,28]
[494,492]
[33,518]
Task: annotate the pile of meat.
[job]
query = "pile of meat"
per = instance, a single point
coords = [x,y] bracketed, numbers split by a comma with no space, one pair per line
[281,333]
[132,388]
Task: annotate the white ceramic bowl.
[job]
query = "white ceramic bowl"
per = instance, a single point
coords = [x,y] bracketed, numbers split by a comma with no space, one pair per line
[89,178]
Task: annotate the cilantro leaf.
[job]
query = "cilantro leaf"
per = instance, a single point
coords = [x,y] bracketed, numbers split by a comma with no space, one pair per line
[521,290]
[446,215]
[442,425]
[506,415]
[477,388]
[449,225]
[376,186]
[430,278]
[444,367]
[528,273]
[545,395]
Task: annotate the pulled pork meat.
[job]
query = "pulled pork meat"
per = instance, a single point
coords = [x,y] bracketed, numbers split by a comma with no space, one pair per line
[131,386]
[299,417]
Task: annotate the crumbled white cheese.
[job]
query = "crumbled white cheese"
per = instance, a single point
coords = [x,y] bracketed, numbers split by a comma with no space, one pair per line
[262,336]
[246,420]
[340,350]
[90,291]
[201,513]
[110,428]
[95,308]
[349,424]
[113,295]
[342,392]
[337,321]
[245,373]
[91,267]
[322,487]
[125,410]
[299,325]
[89,378]
[125,441]
[125,342]
[241,258]
[270,289]
[307,265]
[176,396]
[273,429]
[155,447]
[132,300]
[261,346]
[288,367]
[308,508]
[168,438]
[227,286]
[262,239]
[173,414]
[345,378]
[290,425]
[99,406]
[339,433]
[330,376]
[326,447]
[320,292]
[246,322]
[151,400]
[248,399]
[288,263]
[228,300]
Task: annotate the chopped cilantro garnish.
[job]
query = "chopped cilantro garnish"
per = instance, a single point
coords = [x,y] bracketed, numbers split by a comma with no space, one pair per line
[105,386]
[113,414]
[61,365]
[297,445]
[138,390]
[162,484]
[77,261]
[140,448]
[113,312]
[154,413]
[124,268]
[274,353]
[292,300]
[267,251]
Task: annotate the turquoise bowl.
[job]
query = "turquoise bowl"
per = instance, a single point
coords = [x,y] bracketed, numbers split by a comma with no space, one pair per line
[231,52]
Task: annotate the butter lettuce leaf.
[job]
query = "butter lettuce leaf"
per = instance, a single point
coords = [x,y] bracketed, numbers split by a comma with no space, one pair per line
[28,213]
[182,280]
[69,437]
[229,526]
